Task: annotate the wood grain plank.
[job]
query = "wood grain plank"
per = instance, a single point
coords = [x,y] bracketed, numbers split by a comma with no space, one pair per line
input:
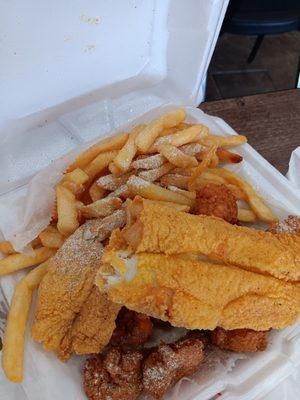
[271,121]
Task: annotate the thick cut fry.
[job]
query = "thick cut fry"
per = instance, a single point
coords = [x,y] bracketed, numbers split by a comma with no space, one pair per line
[245,215]
[108,144]
[96,192]
[173,118]
[236,191]
[108,224]
[101,208]
[77,176]
[67,221]
[186,193]
[114,169]
[15,262]
[6,248]
[177,157]
[201,167]
[152,175]
[13,343]
[100,163]
[223,141]
[255,202]
[179,181]
[72,187]
[151,191]
[191,149]
[50,237]
[228,156]
[122,191]
[173,129]
[191,134]
[147,136]
[110,182]
[150,162]
[128,151]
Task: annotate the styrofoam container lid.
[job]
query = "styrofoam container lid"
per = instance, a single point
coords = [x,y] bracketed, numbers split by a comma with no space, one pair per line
[75,70]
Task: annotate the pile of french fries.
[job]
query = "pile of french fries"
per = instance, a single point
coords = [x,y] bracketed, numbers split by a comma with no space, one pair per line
[166,161]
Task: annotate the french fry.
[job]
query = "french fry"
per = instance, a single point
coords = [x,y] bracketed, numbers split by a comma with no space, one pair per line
[151,191]
[77,176]
[147,136]
[6,248]
[96,192]
[228,156]
[101,208]
[255,202]
[173,118]
[100,163]
[108,224]
[186,193]
[173,129]
[236,191]
[245,215]
[114,169]
[67,221]
[72,187]
[105,145]
[110,182]
[192,134]
[152,175]
[16,262]
[14,338]
[128,151]
[191,149]
[122,191]
[50,237]
[177,157]
[179,181]
[36,242]
[223,141]
[204,164]
[150,162]
[176,206]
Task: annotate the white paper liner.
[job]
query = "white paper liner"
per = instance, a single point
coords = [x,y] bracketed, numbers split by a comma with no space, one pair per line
[25,212]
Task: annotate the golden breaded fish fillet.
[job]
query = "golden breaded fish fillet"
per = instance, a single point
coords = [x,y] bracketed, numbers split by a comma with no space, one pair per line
[71,314]
[156,229]
[197,294]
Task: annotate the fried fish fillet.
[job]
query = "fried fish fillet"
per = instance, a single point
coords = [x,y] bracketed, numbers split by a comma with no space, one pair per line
[196,294]
[155,229]
[71,314]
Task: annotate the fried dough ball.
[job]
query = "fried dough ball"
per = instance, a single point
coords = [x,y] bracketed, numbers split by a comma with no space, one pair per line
[217,200]
[167,364]
[290,225]
[132,328]
[117,375]
[240,340]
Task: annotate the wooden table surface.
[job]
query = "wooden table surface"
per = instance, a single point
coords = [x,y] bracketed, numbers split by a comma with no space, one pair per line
[271,122]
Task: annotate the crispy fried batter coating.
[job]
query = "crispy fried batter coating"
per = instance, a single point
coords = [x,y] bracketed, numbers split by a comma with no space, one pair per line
[291,225]
[157,229]
[217,200]
[169,363]
[132,328]
[117,375]
[240,340]
[71,314]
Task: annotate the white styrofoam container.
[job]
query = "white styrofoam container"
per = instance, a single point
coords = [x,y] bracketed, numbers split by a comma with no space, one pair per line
[76,70]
